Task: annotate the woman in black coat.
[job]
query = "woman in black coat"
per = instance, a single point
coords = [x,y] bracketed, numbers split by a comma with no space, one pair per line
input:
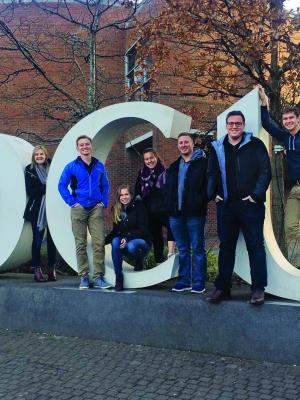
[35,212]
[130,235]
[150,187]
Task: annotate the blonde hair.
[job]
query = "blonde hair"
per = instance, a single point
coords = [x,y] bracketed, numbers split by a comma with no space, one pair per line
[118,205]
[44,150]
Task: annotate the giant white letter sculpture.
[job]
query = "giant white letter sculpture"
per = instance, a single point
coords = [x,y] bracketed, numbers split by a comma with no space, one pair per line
[104,127]
[15,233]
[283,278]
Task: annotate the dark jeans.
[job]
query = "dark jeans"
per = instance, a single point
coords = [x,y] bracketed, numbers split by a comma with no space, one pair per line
[156,225]
[189,233]
[135,249]
[249,217]
[37,240]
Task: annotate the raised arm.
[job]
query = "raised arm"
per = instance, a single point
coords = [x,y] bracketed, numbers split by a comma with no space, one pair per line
[268,124]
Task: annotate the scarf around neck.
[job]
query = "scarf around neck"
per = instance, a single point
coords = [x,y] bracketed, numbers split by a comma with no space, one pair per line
[149,178]
[42,173]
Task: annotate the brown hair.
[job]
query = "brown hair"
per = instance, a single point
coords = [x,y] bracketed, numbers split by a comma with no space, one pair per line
[186,134]
[293,110]
[150,150]
[83,137]
[154,152]
[236,113]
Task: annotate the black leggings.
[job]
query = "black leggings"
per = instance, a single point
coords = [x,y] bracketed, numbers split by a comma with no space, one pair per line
[37,240]
[156,225]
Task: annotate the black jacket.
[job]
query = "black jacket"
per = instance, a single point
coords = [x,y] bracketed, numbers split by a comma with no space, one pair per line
[195,186]
[154,202]
[253,169]
[134,226]
[35,191]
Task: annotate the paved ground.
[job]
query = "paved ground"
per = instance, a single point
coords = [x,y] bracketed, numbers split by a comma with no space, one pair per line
[40,366]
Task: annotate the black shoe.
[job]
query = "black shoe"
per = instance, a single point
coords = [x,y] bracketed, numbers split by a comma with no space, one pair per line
[257,298]
[218,295]
[119,283]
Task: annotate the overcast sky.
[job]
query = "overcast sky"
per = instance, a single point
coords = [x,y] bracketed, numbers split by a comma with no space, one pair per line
[292,4]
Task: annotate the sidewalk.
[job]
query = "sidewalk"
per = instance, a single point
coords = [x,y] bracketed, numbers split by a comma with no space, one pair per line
[154,317]
[46,367]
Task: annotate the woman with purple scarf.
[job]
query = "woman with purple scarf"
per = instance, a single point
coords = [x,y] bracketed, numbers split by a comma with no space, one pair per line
[149,186]
[35,212]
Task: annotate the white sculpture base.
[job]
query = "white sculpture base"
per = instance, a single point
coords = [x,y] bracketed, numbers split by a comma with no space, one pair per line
[104,126]
[16,235]
[283,277]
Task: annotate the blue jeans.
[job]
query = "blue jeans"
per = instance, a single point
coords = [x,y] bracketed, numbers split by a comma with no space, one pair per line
[249,217]
[135,249]
[189,234]
[37,240]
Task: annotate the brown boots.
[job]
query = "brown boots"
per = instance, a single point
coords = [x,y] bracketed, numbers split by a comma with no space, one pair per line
[38,275]
[51,274]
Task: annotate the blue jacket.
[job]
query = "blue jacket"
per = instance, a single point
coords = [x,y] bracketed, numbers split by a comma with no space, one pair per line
[291,144]
[254,169]
[88,184]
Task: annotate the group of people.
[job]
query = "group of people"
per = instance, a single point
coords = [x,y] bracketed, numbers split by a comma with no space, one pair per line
[236,175]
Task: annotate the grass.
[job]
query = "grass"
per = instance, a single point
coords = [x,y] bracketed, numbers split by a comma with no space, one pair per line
[212,263]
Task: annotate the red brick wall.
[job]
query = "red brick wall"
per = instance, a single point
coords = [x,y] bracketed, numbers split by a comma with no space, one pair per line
[26,117]
[26,96]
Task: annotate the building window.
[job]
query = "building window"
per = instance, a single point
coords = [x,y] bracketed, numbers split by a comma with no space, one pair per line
[136,75]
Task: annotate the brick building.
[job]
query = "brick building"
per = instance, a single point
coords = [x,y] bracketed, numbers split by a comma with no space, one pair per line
[33,110]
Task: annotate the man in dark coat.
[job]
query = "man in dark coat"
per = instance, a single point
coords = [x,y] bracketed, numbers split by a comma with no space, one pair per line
[239,174]
[186,201]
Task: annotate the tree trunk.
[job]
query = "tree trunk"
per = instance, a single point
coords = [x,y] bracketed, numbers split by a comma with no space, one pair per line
[91,84]
[277,184]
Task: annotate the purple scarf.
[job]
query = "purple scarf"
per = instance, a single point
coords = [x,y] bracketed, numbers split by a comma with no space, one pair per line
[149,178]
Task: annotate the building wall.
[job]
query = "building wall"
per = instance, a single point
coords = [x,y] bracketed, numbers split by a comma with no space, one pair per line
[27,117]
[27,97]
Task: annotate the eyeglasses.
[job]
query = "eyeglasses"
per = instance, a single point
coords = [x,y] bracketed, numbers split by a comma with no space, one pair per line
[235,123]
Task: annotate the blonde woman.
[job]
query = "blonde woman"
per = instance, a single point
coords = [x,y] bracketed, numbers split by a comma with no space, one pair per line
[35,212]
[130,235]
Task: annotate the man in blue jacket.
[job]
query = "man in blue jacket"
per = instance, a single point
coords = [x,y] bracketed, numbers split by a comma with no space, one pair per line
[88,182]
[239,173]
[289,135]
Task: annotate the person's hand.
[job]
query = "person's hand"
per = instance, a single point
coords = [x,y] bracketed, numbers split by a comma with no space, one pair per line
[218,198]
[76,205]
[262,95]
[123,243]
[249,198]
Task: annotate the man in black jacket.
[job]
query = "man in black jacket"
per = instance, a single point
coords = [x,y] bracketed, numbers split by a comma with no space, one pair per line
[239,174]
[186,201]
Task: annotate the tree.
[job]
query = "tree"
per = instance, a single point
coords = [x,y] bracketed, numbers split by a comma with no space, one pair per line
[220,49]
[62,58]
